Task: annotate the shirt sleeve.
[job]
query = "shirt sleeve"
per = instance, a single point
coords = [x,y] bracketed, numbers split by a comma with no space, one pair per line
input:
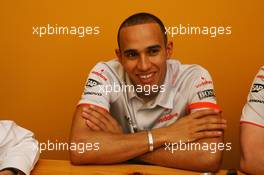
[97,90]
[18,148]
[253,111]
[202,95]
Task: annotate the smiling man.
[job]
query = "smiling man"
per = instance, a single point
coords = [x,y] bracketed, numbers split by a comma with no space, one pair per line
[142,104]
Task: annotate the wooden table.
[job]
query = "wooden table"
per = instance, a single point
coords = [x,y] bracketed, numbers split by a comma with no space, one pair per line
[64,167]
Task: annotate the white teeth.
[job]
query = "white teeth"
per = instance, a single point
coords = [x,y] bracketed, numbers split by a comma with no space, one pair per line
[145,76]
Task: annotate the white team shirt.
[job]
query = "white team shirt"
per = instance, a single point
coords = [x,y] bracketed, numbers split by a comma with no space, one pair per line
[253,111]
[186,88]
[18,149]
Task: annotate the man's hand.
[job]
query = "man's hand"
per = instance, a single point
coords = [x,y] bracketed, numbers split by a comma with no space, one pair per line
[6,172]
[98,119]
[195,126]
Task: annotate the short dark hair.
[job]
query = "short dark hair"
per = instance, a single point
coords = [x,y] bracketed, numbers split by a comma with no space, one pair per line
[142,18]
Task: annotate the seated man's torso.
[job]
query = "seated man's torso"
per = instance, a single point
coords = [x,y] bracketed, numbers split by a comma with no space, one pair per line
[184,85]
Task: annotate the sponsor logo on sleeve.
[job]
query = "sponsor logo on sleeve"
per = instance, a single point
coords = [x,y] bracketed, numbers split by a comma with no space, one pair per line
[256,101]
[92,93]
[206,94]
[100,74]
[203,83]
[260,77]
[257,87]
[92,83]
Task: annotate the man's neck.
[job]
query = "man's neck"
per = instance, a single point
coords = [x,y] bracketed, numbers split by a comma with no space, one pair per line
[148,98]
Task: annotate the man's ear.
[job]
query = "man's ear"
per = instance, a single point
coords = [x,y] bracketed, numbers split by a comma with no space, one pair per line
[119,55]
[169,49]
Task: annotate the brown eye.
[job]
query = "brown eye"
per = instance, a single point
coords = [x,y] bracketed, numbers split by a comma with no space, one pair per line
[131,54]
[153,52]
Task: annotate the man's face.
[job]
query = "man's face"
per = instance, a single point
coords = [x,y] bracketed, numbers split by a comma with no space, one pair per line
[143,53]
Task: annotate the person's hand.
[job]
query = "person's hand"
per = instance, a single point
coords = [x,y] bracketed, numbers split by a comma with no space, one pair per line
[98,119]
[195,126]
[6,172]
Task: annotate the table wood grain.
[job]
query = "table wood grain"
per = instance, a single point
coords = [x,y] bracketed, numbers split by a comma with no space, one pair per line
[64,167]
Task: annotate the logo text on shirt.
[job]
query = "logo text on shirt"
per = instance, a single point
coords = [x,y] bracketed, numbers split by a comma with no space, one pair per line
[260,76]
[257,87]
[92,83]
[206,94]
[99,74]
[203,83]
[167,117]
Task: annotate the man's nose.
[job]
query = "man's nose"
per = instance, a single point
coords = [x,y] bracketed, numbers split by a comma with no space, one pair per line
[144,63]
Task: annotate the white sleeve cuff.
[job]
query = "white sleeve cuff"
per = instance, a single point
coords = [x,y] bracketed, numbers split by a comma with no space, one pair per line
[18,163]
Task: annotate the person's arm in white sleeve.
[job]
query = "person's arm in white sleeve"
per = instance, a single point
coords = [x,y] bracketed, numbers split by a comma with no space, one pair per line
[204,98]
[201,96]
[116,146]
[19,149]
[209,125]
[252,128]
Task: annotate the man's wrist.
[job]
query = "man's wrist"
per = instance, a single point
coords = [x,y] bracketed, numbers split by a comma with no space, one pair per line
[159,138]
[150,141]
[12,171]
[7,172]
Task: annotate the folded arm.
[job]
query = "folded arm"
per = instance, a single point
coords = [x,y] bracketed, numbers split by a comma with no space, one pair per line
[121,147]
[252,144]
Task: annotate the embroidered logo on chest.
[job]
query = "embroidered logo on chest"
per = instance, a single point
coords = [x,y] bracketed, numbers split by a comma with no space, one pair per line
[167,117]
